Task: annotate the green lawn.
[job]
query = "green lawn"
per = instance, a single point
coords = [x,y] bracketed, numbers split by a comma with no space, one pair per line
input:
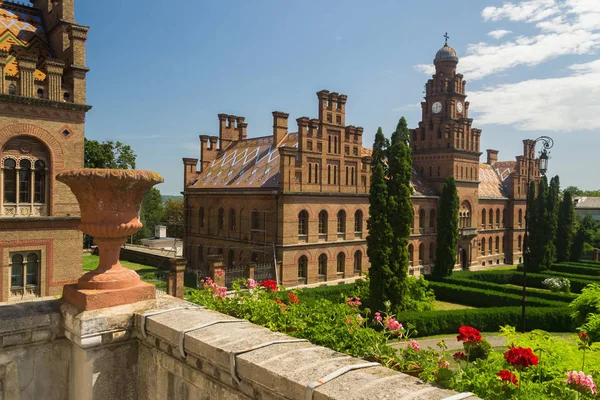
[442,305]
[90,262]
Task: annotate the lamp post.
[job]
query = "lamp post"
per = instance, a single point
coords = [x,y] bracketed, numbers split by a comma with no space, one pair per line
[547,144]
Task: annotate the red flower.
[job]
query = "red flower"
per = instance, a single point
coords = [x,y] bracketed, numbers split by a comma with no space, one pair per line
[459,355]
[270,284]
[281,304]
[520,357]
[468,334]
[292,298]
[583,336]
[507,376]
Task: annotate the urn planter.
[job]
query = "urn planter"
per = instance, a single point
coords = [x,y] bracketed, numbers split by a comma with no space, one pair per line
[110,201]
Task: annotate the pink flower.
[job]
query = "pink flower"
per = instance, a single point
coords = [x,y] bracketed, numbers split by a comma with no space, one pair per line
[348,320]
[581,382]
[219,272]
[415,345]
[392,324]
[220,291]
[354,302]
[209,282]
[251,284]
[444,364]
[377,317]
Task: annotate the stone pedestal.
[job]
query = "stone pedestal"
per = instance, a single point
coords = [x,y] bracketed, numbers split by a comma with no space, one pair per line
[175,279]
[215,269]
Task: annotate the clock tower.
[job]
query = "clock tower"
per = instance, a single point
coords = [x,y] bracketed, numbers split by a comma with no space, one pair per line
[445,144]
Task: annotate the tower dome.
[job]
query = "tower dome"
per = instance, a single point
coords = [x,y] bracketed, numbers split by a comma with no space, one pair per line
[446,53]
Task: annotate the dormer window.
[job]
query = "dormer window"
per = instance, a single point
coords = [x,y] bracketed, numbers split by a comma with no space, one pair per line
[12,89]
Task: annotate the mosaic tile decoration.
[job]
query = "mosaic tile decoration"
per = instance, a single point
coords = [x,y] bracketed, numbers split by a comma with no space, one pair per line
[23,33]
[490,185]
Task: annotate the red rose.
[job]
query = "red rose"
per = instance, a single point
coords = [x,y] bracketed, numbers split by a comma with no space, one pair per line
[507,376]
[270,284]
[468,334]
[520,357]
[459,355]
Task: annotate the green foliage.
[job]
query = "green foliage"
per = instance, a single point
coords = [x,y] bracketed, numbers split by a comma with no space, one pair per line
[578,243]
[586,311]
[542,225]
[447,230]
[152,213]
[108,154]
[478,351]
[420,296]
[575,269]
[173,218]
[566,224]
[551,222]
[400,213]
[429,323]
[532,236]
[379,239]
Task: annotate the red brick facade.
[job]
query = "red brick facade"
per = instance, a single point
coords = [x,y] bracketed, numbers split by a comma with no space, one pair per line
[308,190]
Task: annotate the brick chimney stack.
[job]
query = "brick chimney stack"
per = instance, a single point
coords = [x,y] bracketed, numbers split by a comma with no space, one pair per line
[492,156]
[280,126]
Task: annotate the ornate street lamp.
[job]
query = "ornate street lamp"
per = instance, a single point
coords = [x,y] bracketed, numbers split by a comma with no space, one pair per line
[547,144]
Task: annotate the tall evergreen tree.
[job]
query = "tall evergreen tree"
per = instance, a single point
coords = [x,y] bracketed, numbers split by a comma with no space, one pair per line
[578,243]
[532,236]
[566,221]
[550,218]
[400,210]
[379,239]
[445,255]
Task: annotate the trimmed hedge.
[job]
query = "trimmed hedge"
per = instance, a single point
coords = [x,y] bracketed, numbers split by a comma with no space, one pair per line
[562,297]
[335,294]
[474,297]
[591,264]
[576,270]
[430,323]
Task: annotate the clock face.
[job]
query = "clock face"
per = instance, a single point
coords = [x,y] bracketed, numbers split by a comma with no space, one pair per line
[436,107]
[459,107]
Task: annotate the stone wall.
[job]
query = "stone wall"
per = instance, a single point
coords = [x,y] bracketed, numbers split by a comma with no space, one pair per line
[170,349]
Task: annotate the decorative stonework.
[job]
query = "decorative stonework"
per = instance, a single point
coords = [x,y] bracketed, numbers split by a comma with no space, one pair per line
[110,201]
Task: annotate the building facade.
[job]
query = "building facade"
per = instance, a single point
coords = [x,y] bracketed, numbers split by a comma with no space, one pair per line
[42,114]
[299,200]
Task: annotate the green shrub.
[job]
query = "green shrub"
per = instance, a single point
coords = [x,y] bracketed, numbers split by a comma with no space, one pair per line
[586,310]
[562,297]
[474,297]
[336,294]
[430,323]
[576,269]
[478,350]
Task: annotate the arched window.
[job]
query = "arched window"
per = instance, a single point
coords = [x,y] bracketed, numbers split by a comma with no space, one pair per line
[464,214]
[421,220]
[504,218]
[421,253]
[358,221]
[497,218]
[40,93]
[341,264]
[25,273]
[231,258]
[520,218]
[322,267]
[411,255]
[220,219]
[490,248]
[200,253]
[341,222]
[358,262]
[431,252]
[10,181]
[438,168]
[483,246]
[323,224]
[232,220]
[201,217]
[519,243]
[483,215]
[255,220]
[497,244]
[491,219]
[40,182]
[12,89]
[302,269]
[303,224]
[25,181]
[432,219]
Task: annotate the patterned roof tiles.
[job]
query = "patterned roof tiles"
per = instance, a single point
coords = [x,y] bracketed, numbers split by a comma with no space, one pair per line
[490,184]
[505,168]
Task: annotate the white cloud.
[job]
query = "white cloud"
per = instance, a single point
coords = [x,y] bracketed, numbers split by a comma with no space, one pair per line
[568,103]
[407,107]
[528,11]
[428,69]
[499,33]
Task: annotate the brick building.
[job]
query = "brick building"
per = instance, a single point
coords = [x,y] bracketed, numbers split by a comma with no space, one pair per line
[42,114]
[300,199]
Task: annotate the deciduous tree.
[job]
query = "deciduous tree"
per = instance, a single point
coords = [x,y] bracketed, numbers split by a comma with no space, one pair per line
[108,154]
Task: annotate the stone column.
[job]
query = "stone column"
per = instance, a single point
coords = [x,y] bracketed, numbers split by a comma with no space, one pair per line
[215,269]
[251,267]
[175,286]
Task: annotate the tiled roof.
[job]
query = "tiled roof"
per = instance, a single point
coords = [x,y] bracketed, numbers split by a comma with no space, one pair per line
[254,163]
[582,203]
[490,184]
[22,32]
[505,168]
[366,152]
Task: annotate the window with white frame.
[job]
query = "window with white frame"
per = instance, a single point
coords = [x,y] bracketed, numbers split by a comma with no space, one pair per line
[25,274]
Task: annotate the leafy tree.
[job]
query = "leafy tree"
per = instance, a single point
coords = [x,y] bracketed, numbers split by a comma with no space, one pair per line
[447,230]
[400,212]
[379,239]
[108,154]
[173,218]
[151,214]
[574,190]
[566,221]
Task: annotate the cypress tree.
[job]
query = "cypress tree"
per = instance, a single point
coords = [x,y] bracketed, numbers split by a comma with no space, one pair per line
[538,229]
[379,239]
[566,221]
[400,211]
[447,230]
[550,218]
[532,236]
[578,243]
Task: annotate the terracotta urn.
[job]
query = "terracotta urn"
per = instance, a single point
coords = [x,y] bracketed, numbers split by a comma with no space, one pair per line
[110,201]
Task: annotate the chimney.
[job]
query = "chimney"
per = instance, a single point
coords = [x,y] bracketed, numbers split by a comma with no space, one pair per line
[189,171]
[160,231]
[492,156]
[280,126]
[242,128]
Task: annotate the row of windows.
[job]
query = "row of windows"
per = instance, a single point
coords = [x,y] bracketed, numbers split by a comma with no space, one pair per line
[411,253]
[322,266]
[232,219]
[491,249]
[423,219]
[24,183]
[12,90]
[324,219]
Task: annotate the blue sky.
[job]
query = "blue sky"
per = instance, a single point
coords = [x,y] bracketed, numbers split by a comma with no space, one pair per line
[161,71]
